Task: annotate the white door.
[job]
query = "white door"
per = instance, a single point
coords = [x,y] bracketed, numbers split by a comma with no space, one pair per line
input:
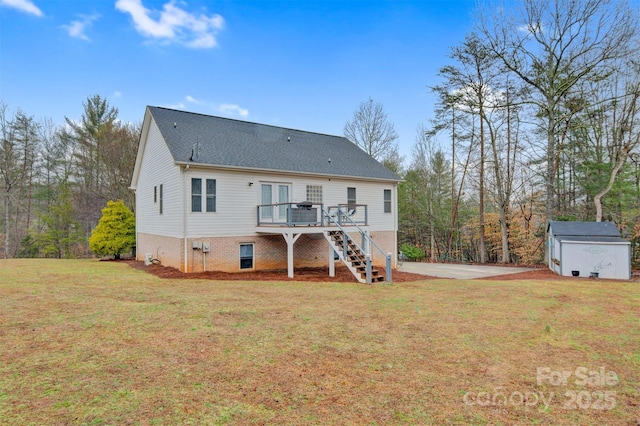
[272,193]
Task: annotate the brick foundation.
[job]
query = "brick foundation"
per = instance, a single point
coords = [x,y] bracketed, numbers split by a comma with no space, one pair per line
[270,251]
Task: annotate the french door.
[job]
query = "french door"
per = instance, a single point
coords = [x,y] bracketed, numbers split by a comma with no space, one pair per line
[272,193]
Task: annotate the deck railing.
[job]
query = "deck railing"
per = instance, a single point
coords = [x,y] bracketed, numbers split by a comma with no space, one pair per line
[365,245]
[311,214]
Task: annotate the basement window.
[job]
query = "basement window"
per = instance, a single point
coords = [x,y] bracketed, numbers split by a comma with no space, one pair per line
[246,256]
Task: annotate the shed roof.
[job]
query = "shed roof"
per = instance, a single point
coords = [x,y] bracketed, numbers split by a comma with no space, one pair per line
[194,138]
[591,239]
[583,229]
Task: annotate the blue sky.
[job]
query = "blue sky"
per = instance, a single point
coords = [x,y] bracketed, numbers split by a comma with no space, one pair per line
[301,64]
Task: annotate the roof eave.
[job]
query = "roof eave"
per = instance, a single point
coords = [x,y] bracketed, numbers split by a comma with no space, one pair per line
[142,142]
[287,172]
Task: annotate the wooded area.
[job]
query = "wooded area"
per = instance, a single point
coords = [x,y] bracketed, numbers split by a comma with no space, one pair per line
[540,109]
[55,180]
[537,119]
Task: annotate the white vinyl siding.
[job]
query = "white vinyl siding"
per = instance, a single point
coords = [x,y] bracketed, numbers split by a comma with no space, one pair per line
[237,201]
[157,170]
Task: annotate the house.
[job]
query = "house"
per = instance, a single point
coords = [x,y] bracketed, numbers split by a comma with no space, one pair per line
[220,194]
[588,249]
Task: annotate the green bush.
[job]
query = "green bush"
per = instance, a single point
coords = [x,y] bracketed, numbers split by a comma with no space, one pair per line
[116,231]
[411,252]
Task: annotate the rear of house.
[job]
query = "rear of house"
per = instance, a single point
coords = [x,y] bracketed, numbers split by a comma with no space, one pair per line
[220,194]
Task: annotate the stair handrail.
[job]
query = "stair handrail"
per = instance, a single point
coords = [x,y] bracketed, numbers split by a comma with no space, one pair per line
[365,237]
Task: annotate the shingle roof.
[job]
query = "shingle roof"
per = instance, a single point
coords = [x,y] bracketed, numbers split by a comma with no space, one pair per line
[591,239]
[584,229]
[217,141]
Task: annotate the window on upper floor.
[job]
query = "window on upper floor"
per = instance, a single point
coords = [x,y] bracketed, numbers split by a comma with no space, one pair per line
[387,201]
[351,200]
[211,195]
[160,200]
[197,195]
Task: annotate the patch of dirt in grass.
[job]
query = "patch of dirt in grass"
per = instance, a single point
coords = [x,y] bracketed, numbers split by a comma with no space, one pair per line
[300,274]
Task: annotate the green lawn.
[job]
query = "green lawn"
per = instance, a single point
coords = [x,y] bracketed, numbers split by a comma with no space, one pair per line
[88,342]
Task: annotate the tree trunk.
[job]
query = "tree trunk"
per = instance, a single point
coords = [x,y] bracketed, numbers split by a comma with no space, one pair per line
[483,251]
[597,199]
[504,231]
[6,225]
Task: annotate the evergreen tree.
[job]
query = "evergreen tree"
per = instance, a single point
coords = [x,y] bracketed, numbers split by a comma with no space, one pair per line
[61,231]
[116,231]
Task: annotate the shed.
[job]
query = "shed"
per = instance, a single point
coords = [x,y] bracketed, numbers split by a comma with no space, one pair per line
[588,249]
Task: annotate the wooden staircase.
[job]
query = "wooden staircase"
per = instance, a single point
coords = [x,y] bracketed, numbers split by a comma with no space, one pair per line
[355,259]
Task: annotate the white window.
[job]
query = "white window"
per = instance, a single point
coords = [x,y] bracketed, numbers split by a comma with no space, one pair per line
[209,195]
[196,195]
[351,200]
[387,201]
[351,196]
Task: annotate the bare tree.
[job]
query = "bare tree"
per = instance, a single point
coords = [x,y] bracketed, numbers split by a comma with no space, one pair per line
[18,146]
[612,129]
[449,118]
[553,46]
[372,131]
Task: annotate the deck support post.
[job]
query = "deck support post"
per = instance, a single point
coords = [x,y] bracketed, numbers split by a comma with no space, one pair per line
[332,261]
[291,239]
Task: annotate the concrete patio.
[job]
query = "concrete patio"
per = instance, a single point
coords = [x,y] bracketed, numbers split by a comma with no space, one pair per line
[458,271]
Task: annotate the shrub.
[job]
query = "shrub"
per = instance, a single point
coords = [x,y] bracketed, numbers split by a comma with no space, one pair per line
[116,231]
[411,252]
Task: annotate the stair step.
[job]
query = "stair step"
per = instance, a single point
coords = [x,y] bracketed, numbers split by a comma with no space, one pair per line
[351,255]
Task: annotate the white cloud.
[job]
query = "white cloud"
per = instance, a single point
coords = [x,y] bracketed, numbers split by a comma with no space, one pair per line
[117,94]
[173,24]
[192,100]
[77,28]
[231,109]
[23,5]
